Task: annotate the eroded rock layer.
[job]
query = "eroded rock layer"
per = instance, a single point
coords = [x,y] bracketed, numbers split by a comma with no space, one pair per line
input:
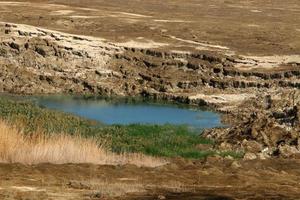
[253,91]
[36,60]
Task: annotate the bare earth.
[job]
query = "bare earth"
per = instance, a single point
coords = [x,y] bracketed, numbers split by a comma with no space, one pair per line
[227,54]
[246,27]
[182,180]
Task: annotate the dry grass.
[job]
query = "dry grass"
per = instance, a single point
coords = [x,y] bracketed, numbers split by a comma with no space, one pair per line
[15,147]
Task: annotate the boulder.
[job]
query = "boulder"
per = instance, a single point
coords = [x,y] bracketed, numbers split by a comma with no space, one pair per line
[287,151]
[252,146]
[235,165]
[263,156]
[250,156]
[225,146]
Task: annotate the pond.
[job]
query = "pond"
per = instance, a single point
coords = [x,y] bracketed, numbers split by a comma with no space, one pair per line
[124,111]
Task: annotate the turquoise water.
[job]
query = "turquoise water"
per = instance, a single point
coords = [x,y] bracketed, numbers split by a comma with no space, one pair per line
[128,112]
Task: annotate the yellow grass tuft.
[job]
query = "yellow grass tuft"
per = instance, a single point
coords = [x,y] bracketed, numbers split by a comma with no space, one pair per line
[15,147]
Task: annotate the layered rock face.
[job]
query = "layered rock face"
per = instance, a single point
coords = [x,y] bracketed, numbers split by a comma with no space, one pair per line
[35,61]
[266,126]
[43,61]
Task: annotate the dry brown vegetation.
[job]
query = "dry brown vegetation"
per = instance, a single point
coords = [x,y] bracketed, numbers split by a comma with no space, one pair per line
[16,147]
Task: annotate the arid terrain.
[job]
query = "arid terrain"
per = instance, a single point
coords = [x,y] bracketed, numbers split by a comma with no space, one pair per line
[241,58]
[181,180]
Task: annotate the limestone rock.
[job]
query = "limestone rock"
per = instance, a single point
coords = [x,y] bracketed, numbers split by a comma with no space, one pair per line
[250,156]
[252,146]
[235,165]
[225,146]
[287,151]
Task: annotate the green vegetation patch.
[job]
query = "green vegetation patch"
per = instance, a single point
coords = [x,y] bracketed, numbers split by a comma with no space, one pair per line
[34,118]
[156,140]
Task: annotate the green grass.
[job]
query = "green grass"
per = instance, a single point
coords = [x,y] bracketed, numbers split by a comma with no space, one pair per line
[34,118]
[156,140]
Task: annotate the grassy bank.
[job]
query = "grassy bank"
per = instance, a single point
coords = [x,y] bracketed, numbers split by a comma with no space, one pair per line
[156,140]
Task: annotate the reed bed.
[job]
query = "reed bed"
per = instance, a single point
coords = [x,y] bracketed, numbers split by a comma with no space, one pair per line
[17,147]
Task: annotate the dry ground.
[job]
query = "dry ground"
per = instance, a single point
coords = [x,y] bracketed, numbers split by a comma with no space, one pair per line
[181,180]
[247,27]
